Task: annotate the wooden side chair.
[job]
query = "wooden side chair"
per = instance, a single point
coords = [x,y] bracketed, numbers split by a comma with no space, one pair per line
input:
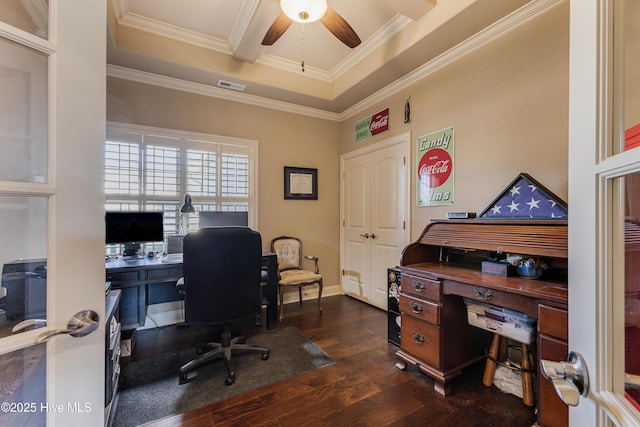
[291,271]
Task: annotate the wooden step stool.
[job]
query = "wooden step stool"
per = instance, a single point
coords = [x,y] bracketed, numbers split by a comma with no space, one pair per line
[498,352]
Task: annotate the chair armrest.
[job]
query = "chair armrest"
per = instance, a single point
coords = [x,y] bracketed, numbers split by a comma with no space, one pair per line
[315,262]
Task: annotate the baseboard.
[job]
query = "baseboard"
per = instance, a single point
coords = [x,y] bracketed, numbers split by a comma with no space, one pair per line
[163,314]
[310,293]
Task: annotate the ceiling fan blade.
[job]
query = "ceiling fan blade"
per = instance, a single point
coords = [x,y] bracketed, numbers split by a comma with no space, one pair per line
[340,28]
[277,29]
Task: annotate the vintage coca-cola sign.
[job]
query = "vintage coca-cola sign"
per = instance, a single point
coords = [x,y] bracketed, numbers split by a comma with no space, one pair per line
[435,168]
[379,122]
[366,128]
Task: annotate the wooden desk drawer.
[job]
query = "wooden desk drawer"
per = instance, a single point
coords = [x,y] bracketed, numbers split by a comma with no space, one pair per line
[122,276]
[421,339]
[524,304]
[421,287]
[553,321]
[164,273]
[420,309]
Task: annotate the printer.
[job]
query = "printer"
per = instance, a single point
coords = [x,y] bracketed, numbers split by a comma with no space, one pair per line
[25,289]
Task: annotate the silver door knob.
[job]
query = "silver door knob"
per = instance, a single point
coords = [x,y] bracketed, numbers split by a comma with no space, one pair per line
[366,236]
[82,323]
[570,379]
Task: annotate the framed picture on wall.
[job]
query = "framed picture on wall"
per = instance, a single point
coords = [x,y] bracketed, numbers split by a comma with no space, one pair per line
[300,183]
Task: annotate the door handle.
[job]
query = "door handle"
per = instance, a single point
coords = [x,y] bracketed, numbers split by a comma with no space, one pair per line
[366,236]
[29,323]
[570,379]
[373,236]
[82,323]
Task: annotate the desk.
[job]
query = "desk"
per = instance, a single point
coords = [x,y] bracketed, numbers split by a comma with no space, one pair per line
[444,266]
[136,277]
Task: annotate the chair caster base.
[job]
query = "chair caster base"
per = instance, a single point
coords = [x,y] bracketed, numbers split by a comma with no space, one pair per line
[265,356]
[230,379]
[183,378]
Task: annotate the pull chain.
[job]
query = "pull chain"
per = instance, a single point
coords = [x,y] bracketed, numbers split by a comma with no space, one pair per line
[302,64]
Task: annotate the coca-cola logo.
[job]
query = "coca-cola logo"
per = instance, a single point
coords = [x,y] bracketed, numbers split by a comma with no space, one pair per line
[434,168]
[379,122]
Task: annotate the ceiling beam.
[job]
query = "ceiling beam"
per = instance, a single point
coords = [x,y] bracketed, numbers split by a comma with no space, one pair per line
[251,25]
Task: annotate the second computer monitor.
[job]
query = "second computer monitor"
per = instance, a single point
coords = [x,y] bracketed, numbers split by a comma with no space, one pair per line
[223,219]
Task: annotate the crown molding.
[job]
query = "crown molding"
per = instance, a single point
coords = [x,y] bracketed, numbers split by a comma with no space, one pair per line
[215,92]
[510,22]
[492,32]
[132,20]
[379,38]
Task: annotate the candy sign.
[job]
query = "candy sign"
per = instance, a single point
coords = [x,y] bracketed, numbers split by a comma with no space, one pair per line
[435,168]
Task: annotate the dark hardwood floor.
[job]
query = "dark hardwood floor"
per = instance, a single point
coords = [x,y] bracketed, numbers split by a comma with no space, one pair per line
[363,387]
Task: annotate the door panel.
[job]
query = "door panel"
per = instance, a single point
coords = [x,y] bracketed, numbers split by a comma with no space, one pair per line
[356,225]
[356,273]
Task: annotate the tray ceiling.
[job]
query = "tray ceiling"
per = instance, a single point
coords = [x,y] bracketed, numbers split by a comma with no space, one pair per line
[201,42]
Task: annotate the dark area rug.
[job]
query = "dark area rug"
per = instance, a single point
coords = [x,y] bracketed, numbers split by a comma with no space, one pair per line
[149,388]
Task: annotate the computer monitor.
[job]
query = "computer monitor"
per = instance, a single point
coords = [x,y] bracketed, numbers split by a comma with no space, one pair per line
[223,219]
[132,229]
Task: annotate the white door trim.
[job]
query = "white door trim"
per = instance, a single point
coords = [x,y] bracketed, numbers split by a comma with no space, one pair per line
[405,140]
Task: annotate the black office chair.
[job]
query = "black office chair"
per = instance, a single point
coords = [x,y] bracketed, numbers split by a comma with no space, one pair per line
[222,269]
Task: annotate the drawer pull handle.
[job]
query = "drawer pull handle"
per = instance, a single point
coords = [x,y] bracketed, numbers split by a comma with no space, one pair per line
[482,293]
[418,286]
[416,307]
[419,339]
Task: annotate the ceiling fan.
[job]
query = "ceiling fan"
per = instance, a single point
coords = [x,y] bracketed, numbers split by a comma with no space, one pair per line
[307,11]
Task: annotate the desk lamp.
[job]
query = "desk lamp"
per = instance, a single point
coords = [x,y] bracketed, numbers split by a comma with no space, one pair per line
[185,210]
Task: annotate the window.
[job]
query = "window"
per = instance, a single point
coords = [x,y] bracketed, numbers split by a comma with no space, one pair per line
[152,169]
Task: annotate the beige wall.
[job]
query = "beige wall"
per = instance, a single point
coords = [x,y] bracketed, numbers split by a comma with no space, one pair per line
[284,139]
[508,105]
[507,102]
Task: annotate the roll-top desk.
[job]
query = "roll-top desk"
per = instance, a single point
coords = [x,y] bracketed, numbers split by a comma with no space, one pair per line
[444,266]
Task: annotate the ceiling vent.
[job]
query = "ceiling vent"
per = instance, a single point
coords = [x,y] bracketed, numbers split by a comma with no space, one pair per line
[229,85]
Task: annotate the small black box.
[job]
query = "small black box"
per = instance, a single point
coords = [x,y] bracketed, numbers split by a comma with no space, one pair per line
[498,268]
[394,328]
[461,215]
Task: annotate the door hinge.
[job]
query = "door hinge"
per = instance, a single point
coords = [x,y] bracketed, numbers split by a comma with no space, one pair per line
[343,271]
[404,160]
[404,225]
[343,222]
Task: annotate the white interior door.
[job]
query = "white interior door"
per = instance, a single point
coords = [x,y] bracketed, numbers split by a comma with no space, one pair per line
[603,210]
[52,127]
[374,211]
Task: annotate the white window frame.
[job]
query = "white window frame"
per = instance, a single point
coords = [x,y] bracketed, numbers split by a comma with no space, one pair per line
[188,140]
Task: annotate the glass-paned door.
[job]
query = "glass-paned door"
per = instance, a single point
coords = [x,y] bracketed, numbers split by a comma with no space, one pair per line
[604,172]
[52,127]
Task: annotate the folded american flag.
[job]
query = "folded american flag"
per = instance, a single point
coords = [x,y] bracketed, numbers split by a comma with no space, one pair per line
[526,198]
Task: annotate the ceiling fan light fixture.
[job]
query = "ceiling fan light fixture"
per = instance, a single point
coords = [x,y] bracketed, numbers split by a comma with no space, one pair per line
[304,10]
